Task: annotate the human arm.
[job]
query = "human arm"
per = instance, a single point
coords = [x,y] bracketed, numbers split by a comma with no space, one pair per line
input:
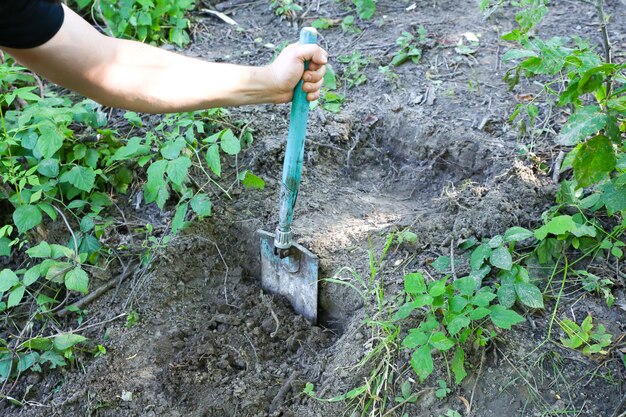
[140,77]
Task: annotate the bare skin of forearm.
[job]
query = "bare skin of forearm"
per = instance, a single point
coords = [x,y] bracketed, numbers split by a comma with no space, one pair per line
[136,76]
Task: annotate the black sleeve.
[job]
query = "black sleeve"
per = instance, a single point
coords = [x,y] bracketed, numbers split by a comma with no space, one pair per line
[29,23]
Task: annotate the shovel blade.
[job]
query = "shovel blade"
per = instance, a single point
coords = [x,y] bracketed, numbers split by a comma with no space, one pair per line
[293,277]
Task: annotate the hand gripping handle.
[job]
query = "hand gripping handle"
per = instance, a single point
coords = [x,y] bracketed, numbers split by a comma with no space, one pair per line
[294,154]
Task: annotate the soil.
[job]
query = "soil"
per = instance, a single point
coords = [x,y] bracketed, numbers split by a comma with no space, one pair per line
[432,152]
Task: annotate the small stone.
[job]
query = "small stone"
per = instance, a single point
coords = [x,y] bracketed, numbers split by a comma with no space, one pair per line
[127,396]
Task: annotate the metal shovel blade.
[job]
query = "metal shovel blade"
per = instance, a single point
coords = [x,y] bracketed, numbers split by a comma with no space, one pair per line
[293,276]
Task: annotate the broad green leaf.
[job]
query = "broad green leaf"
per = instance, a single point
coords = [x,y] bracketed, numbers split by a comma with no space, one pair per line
[178,169]
[230,143]
[479,313]
[133,148]
[442,264]
[529,295]
[48,168]
[39,343]
[466,285]
[422,300]
[66,341]
[594,161]
[178,222]
[40,251]
[53,358]
[365,8]
[56,272]
[613,197]
[50,140]
[8,279]
[457,324]
[558,225]
[478,256]
[507,295]
[80,177]
[414,283]
[201,205]
[330,78]
[512,54]
[504,318]
[517,234]
[403,312]
[5,248]
[32,275]
[213,159]
[587,121]
[422,362]
[501,258]
[437,288]
[457,303]
[26,217]
[60,251]
[251,181]
[172,149]
[576,336]
[16,296]
[77,280]
[483,298]
[458,365]
[440,342]
[414,339]
[27,360]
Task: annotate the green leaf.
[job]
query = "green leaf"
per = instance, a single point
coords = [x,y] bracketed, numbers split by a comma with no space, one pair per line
[504,318]
[403,312]
[40,251]
[478,256]
[576,336]
[201,205]
[440,342]
[32,275]
[16,296]
[133,148]
[8,279]
[585,122]
[594,161]
[558,225]
[483,298]
[507,295]
[229,142]
[172,149]
[479,313]
[66,341]
[39,343]
[249,180]
[26,361]
[5,248]
[213,159]
[457,324]
[365,8]
[466,285]
[613,197]
[26,217]
[53,358]
[50,140]
[442,264]
[517,234]
[80,177]
[178,222]
[529,295]
[458,365]
[414,339]
[422,362]
[414,283]
[457,303]
[56,272]
[178,169]
[48,168]
[437,288]
[77,280]
[501,258]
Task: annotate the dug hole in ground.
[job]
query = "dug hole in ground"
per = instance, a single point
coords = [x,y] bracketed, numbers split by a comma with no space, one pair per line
[431,152]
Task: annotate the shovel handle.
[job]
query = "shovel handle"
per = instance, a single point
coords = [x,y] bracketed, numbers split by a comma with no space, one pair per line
[294,154]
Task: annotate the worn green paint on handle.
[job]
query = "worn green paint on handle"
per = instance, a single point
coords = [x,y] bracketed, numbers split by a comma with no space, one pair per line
[294,154]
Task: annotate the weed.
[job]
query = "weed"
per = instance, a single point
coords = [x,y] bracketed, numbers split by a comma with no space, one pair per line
[155,21]
[285,8]
[584,336]
[443,390]
[353,70]
[409,48]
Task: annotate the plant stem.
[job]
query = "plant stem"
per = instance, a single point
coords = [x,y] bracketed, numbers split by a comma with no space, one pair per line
[607,43]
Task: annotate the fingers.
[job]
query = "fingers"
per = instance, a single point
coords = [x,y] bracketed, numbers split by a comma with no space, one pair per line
[313,74]
[313,53]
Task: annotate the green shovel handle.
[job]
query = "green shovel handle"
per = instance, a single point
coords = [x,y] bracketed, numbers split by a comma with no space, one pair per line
[294,154]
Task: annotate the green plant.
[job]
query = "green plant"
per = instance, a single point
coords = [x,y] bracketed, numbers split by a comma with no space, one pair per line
[592,341]
[348,25]
[285,8]
[154,21]
[365,8]
[409,48]
[443,390]
[352,73]
[595,284]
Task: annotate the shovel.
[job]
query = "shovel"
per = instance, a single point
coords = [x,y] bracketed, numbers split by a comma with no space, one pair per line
[287,268]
